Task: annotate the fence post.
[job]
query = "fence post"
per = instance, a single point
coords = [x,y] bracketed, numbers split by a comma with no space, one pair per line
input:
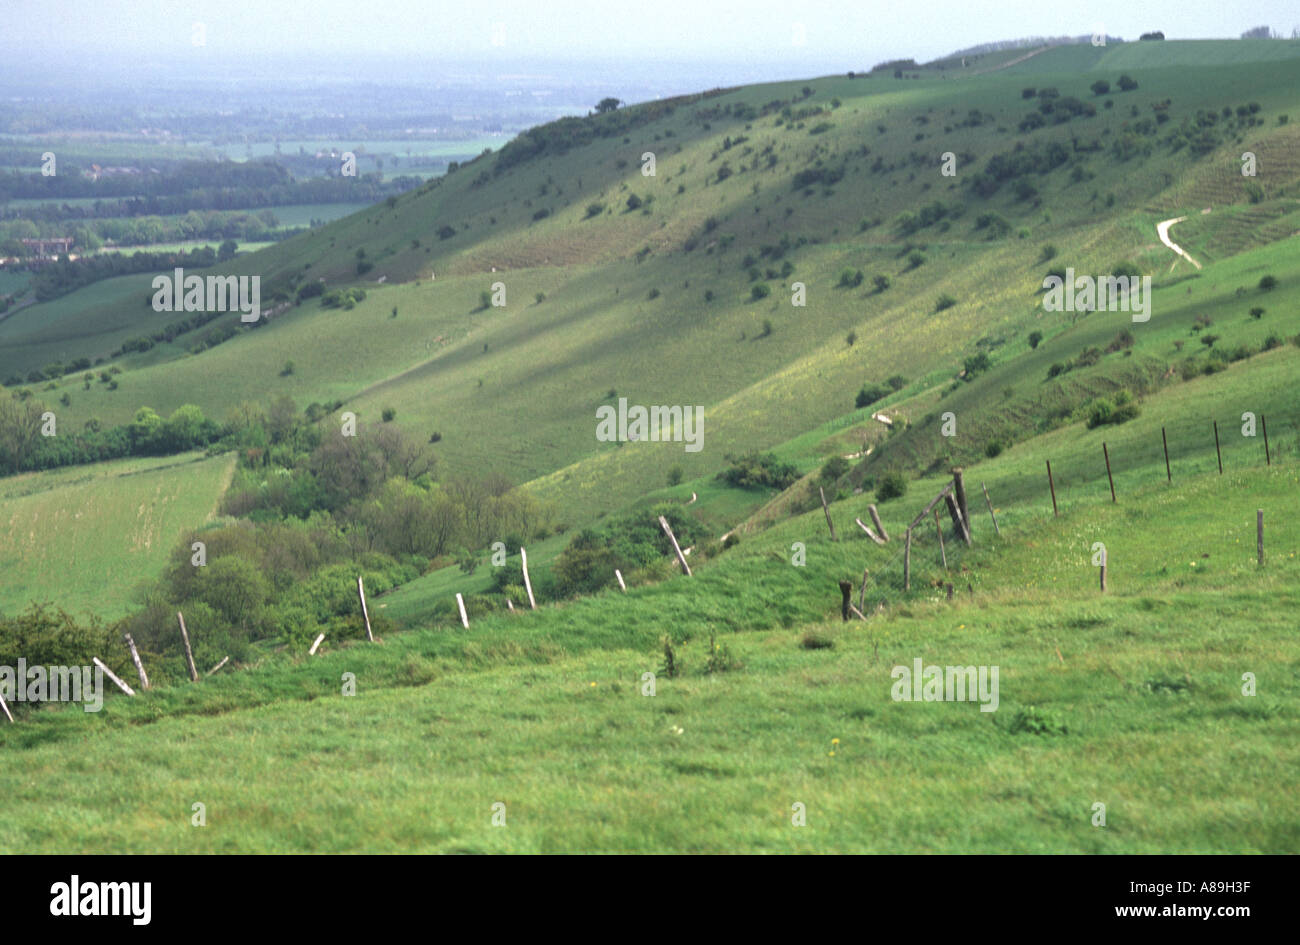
[1217,451]
[1106,453]
[1165,440]
[989,502]
[1052,485]
[1259,534]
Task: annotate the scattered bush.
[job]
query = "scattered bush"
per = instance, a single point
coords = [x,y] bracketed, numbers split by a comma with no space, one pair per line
[892,486]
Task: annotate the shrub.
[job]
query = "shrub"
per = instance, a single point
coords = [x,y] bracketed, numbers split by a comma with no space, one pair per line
[817,640]
[675,476]
[881,283]
[915,260]
[1268,282]
[975,365]
[652,294]
[892,486]
[850,338]
[758,470]
[869,394]
[1034,338]
[850,278]
[833,469]
[594,210]
[945,301]
[897,382]
[1100,87]
[760,291]
[1127,83]
[994,448]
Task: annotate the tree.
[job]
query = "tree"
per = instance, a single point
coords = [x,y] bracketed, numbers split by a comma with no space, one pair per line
[607,105]
[1100,87]
[1127,83]
[20,427]
[227,250]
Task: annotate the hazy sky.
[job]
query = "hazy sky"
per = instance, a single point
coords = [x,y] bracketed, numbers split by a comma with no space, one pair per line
[779,37]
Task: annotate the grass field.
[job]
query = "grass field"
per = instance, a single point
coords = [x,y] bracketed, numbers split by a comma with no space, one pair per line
[1132,699]
[84,537]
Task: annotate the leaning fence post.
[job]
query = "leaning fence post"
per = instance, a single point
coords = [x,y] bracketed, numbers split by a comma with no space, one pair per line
[1052,485]
[528,585]
[365,611]
[959,488]
[827,509]
[1259,534]
[189,654]
[1268,458]
[907,561]
[135,658]
[677,548]
[943,555]
[875,520]
[989,502]
[113,676]
[464,620]
[1217,451]
[1165,440]
[1105,452]
[619,574]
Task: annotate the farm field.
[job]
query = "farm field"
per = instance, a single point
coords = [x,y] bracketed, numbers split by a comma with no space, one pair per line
[111,526]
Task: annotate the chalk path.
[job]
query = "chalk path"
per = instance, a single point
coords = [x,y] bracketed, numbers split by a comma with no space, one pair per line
[1162,231]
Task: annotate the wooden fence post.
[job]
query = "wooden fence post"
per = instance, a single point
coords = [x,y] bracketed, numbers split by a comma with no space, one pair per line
[8,714]
[948,588]
[943,555]
[135,658]
[224,661]
[528,585]
[870,534]
[1217,452]
[846,593]
[875,520]
[1165,440]
[113,676]
[827,509]
[1104,556]
[315,645]
[959,523]
[862,593]
[1259,534]
[464,619]
[1106,453]
[1268,458]
[1052,485]
[907,561]
[189,654]
[959,488]
[989,502]
[677,548]
[365,611]
[619,574]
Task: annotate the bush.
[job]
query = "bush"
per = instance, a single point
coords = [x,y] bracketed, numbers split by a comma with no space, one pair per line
[897,382]
[834,468]
[946,301]
[880,282]
[758,471]
[675,476]
[1127,83]
[1268,282]
[1034,338]
[850,278]
[892,486]
[594,210]
[869,394]
[994,448]
[389,414]
[760,291]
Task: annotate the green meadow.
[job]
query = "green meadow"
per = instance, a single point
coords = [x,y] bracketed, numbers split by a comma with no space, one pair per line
[1170,698]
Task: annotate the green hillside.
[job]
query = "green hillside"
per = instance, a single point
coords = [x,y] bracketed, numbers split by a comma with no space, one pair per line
[922,343]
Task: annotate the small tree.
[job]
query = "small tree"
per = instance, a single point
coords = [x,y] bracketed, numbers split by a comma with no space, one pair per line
[1127,83]
[607,104]
[1100,87]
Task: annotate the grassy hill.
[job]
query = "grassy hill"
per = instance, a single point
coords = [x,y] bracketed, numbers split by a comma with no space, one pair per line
[684,295]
